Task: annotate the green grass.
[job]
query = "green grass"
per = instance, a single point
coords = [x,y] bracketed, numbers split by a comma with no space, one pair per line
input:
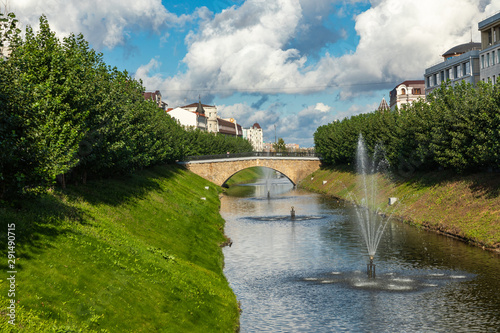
[245,176]
[466,206]
[137,254]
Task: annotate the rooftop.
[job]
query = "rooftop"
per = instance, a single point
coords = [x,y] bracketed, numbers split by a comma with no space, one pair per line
[462,48]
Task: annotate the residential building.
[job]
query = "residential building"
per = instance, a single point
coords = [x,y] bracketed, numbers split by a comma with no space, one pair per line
[210,112]
[406,92]
[461,63]
[490,48]
[156,98]
[229,127]
[292,147]
[189,119]
[255,136]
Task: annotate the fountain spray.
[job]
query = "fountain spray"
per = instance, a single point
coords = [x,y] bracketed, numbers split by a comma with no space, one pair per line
[372,225]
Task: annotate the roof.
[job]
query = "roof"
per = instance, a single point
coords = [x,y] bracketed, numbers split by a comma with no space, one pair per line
[462,48]
[411,82]
[383,105]
[256,125]
[195,105]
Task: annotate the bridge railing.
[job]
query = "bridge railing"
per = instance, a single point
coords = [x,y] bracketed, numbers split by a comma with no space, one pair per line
[251,154]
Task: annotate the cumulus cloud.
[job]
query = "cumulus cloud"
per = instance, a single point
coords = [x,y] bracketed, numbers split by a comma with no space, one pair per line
[259,47]
[103,23]
[292,127]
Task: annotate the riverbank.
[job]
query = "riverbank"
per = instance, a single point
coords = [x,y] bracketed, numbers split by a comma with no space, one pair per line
[135,254]
[466,207]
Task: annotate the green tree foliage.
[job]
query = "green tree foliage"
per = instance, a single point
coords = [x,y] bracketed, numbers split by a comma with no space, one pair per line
[65,113]
[457,128]
[280,146]
[196,142]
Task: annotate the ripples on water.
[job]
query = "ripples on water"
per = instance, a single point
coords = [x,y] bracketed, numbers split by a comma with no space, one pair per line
[308,274]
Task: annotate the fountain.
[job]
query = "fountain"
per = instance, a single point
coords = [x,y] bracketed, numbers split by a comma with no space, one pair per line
[371,224]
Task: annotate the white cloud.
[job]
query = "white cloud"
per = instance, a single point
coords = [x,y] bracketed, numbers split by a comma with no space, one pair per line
[103,23]
[246,48]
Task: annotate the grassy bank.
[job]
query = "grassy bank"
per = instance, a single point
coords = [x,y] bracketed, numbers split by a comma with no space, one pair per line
[137,254]
[245,176]
[462,206]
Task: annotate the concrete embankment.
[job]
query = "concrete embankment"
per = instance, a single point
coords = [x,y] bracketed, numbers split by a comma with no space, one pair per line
[466,207]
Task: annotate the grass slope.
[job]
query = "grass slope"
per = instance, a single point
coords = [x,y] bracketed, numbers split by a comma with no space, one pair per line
[137,254]
[245,176]
[463,206]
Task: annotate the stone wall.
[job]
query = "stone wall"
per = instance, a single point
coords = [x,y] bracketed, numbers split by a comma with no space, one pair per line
[218,171]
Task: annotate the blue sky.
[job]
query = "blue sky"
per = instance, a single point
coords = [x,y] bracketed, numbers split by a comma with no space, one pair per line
[293,64]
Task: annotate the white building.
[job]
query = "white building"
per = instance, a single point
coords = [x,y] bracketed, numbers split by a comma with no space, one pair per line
[406,92]
[189,119]
[209,111]
[255,135]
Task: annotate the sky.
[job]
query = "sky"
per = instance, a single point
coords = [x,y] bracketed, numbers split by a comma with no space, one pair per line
[289,65]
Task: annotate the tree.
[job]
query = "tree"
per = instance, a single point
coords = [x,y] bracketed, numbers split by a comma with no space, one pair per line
[280,146]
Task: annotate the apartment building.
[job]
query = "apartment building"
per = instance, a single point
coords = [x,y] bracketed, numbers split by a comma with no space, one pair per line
[490,49]
[460,63]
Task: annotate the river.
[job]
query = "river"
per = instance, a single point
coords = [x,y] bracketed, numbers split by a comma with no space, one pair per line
[308,273]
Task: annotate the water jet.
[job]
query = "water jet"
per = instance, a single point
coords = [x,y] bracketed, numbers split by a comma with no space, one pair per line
[372,225]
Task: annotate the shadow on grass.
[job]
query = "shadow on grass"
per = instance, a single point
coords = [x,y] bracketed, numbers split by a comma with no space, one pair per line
[40,220]
[115,191]
[37,223]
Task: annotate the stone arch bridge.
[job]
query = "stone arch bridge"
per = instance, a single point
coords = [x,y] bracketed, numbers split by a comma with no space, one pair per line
[219,168]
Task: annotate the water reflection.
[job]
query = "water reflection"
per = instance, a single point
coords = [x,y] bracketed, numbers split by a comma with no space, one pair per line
[308,274]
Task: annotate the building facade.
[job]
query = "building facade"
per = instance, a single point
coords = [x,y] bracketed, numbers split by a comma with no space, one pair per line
[189,119]
[461,63]
[490,49]
[210,112]
[155,97]
[406,92]
[255,135]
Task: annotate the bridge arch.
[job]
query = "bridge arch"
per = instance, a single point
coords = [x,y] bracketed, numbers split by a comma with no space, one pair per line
[224,182]
[219,170]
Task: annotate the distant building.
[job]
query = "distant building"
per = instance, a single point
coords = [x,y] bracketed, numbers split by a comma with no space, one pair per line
[229,127]
[189,119]
[461,63]
[406,92]
[210,112]
[255,136]
[268,146]
[156,98]
[383,106]
[490,49]
[292,147]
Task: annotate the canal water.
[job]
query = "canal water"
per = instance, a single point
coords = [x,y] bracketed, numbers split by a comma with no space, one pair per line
[308,273]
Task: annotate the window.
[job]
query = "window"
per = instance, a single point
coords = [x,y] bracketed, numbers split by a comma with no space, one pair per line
[492,58]
[403,91]
[482,61]
[417,91]
[434,77]
[498,56]
[428,81]
[442,76]
[464,71]
[488,59]
[467,68]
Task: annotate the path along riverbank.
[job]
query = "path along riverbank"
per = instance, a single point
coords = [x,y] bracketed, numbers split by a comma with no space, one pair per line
[466,207]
